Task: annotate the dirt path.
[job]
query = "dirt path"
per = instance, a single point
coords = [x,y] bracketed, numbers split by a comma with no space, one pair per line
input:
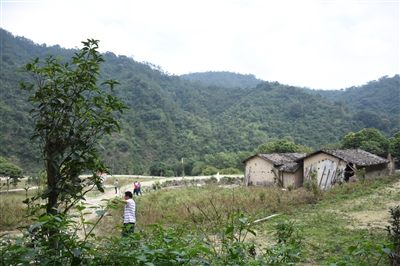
[95,199]
[368,212]
[109,191]
[372,211]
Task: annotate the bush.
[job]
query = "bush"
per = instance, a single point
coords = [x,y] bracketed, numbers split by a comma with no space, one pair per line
[169,173]
[13,214]
[156,185]
[394,234]
[262,196]
[210,171]
[290,187]
[231,171]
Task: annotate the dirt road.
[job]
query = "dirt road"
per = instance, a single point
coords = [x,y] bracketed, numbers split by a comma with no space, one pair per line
[95,198]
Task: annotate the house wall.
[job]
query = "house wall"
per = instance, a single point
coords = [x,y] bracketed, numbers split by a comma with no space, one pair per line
[376,170]
[298,177]
[327,167]
[391,165]
[294,179]
[288,179]
[333,165]
[260,172]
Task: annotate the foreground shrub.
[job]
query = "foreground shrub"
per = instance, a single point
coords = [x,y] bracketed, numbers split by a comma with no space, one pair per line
[364,251]
[12,214]
[157,244]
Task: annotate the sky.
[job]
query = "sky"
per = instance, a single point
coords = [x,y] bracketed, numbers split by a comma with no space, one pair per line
[315,44]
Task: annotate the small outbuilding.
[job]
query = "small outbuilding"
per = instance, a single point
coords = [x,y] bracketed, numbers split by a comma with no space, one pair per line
[332,166]
[282,169]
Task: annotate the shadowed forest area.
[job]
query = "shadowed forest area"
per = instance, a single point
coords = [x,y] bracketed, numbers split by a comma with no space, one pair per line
[70,118]
[217,117]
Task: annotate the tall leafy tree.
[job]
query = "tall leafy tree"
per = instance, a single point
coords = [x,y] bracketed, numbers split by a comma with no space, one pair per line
[10,172]
[281,146]
[158,169]
[368,139]
[394,145]
[225,160]
[71,113]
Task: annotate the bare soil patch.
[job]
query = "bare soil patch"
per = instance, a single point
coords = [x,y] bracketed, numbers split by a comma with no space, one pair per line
[374,209]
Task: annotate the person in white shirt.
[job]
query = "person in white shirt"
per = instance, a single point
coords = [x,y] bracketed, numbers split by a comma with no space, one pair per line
[116,186]
[129,214]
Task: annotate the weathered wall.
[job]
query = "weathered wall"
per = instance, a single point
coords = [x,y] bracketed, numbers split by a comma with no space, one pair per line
[329,169]
[260,172]
[288,179]
[326,166]
[376,170]
[295,179]
[391,165]
[298,177]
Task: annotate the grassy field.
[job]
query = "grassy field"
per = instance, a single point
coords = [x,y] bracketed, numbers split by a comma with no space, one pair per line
[330,223]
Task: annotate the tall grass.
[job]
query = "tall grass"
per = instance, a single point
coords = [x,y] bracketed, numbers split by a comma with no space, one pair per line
[201,205]
[206,202]
[12,209]
[221,216]
[12,214]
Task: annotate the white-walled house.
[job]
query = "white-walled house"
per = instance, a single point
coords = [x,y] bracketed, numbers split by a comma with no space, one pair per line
[330,166]
[274,169]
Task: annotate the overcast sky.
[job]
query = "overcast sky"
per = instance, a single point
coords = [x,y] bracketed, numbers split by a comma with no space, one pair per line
[315,44]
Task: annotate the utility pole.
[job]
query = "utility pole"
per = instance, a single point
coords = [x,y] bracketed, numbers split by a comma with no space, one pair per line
[8,184]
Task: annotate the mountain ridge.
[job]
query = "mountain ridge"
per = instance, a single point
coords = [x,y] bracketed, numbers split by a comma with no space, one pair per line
[171,117]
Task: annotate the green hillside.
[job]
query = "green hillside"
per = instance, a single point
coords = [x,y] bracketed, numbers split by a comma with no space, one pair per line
[375,104]
[273,111]
[171,117]
[224,78]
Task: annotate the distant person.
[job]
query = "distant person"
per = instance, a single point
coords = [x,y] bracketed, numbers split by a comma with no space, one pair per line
[129,214]
[138,189]
[116,186]
[135,188]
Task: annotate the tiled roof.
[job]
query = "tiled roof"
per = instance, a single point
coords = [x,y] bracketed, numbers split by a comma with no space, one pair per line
[284,161]
[282,158]
[357,157]
[290,167]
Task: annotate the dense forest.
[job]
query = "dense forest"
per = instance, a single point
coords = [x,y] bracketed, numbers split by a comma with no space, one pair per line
[205,118]
[224,78]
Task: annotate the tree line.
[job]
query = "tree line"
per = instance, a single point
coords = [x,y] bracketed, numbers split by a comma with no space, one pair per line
[207,123]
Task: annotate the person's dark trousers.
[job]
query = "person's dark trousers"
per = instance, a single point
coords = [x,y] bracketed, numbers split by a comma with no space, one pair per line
[128,229]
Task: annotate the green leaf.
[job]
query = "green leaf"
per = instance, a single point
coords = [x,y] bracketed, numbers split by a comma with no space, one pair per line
[229,230]
[33,227]
[101,212]
[251,231]
[243,220]
[80,207]
[351,249]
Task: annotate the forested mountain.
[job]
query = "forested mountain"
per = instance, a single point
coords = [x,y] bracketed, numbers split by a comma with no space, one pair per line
[171,117]
[376,104]
[224,78]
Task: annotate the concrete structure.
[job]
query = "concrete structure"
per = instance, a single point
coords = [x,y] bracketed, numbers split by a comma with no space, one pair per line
[327,166]
[332,166]
[274,169]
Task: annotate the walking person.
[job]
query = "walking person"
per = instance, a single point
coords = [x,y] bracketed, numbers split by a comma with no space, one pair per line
[135,188]
[129,214]
[116,186]
[138,189]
